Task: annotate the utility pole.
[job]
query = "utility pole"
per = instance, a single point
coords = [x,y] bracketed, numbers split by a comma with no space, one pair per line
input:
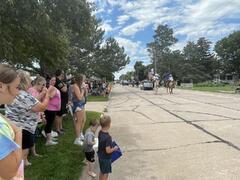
[155,59]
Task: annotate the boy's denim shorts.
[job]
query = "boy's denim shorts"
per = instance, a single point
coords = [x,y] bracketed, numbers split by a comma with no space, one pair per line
[105,166]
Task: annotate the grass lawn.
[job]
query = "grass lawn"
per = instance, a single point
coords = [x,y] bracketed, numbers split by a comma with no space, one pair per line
[227,88]
[63,161]
[97,98]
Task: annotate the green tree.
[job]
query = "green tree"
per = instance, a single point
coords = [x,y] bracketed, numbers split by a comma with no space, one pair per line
[199,59]
[43,32]
[109,59]
[159,48]
[228,51]
[140,73]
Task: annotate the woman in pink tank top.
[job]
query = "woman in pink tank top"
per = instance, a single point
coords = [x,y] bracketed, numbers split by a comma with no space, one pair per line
[54,105]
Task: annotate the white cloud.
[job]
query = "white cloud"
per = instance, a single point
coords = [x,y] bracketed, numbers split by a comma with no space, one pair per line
[206,18]
[122,19]
[106,25]
[133,28]
[135,50]
[124,71]
[190,19]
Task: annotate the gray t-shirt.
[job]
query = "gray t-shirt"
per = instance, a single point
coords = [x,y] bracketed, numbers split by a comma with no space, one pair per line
[20,112]
[88,139]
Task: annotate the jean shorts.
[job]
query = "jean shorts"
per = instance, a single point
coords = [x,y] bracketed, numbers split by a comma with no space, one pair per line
[78,106]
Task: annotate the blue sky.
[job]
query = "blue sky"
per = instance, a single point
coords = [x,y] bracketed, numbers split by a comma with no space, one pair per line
[132,22]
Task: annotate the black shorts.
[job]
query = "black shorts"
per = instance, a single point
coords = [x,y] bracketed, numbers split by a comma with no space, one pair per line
[90,156]
[27,139]
[105,166]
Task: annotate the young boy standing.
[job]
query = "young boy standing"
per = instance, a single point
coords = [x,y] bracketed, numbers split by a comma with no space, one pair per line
[105,148]
[88,146]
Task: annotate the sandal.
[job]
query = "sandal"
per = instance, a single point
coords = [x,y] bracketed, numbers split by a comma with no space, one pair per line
[92,174]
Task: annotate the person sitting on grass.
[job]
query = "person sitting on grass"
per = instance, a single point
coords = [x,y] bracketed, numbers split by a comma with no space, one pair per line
[88,146]
[105,148]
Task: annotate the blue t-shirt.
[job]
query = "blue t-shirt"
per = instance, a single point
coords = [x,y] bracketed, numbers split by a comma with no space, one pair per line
[6,139]
[104,140]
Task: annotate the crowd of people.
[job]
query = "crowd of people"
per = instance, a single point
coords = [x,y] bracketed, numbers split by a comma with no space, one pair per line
[45,100]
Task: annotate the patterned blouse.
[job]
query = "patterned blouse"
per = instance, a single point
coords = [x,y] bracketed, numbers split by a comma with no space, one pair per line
[20,113]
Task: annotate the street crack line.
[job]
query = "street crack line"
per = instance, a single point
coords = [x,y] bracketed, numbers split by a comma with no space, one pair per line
[193,112]
[169,148]
[217,105]
[193,124]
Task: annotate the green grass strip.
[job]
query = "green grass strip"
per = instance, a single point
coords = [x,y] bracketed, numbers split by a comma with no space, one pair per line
[62,161]
[97,98]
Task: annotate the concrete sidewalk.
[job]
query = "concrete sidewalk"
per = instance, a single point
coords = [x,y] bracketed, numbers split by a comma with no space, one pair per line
[96,106]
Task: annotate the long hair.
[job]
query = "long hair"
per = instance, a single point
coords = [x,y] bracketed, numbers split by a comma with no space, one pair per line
[38,80]
[78,80]
[7,74]
[25,79]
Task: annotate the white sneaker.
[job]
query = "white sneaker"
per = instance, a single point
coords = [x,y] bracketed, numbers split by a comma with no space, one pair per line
[95,146]
[54,139]
[50,143]
[78,142]
[54,134]
[82,136]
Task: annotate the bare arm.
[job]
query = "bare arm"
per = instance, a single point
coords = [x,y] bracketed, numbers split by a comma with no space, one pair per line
[10,164]
[110,150]
[79,94]
[41,106]
[42,94]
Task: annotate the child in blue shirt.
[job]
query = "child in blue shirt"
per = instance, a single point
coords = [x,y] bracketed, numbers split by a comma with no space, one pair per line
[105,148]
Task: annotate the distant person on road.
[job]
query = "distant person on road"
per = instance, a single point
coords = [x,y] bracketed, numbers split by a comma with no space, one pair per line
[105,148]
[88,147]
[167,77]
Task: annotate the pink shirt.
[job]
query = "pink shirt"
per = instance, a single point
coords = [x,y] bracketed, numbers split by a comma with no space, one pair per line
[54,103]
[35,94]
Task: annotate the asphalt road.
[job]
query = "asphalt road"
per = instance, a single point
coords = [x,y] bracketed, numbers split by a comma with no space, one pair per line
[187,135]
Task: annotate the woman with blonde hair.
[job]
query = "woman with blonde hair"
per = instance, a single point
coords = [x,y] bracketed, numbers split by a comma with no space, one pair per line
[78,101]
[38,90]
[23,112]
[10,135]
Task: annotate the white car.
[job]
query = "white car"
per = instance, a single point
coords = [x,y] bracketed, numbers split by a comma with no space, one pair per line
[146,85]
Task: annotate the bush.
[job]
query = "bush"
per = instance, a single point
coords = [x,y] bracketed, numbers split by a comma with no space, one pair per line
[209,84]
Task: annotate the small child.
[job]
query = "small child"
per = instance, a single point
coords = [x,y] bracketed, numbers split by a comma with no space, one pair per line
[105,148]
[88,146]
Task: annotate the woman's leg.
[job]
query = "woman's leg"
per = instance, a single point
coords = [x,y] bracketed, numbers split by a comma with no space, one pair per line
[103,176]
[25,157]
[34,153]
[79,114]
[50,117]
[84,120]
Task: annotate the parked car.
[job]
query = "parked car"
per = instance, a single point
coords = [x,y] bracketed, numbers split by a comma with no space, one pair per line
[146,85]
[125,83]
